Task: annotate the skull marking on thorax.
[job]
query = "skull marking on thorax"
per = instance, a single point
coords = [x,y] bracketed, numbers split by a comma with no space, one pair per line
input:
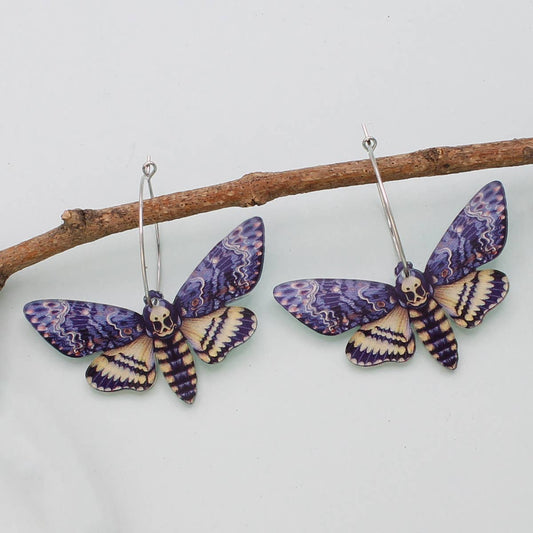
[161,320]
[414,291]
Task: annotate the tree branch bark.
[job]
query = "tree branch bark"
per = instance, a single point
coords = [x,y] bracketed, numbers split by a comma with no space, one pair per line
[86,225]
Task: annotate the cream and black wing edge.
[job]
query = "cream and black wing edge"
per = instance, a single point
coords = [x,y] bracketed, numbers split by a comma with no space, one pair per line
[469,299]
[387,340]
[128,367]
[214,335]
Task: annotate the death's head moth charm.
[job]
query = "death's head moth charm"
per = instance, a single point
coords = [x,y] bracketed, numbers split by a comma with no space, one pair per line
[386,314]
[198,320]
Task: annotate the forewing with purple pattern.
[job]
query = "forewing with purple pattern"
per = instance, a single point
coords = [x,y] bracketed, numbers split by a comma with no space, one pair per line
[476,236]
[230,270]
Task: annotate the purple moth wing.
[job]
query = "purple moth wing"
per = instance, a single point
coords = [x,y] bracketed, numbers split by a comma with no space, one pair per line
[79,328]
[230,270]
[332,306]
[470,298]
[127,367]
[475,237]
[214,335]
[387,339]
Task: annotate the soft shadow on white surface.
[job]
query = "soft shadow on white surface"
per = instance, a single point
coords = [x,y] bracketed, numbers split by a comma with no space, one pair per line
[285,435]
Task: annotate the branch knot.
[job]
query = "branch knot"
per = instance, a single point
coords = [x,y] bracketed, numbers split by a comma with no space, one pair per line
[74,218]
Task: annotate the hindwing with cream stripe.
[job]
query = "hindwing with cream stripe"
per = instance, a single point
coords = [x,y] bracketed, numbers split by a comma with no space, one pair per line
[129,367]
[435,332]
[468,300]
[176,362]
[214,335]
[388,339]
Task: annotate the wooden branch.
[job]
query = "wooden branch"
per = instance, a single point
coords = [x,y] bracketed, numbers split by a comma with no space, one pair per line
[85,225]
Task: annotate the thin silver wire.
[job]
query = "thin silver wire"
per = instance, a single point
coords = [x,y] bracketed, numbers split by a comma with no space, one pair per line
[369,144]
[149,169]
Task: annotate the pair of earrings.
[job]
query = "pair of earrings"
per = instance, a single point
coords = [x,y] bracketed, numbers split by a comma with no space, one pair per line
[199,318]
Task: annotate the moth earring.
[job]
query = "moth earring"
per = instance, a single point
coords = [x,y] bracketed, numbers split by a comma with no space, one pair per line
[450,283]
[197,319]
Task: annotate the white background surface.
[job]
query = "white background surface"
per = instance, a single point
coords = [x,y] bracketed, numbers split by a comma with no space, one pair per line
[285,435]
